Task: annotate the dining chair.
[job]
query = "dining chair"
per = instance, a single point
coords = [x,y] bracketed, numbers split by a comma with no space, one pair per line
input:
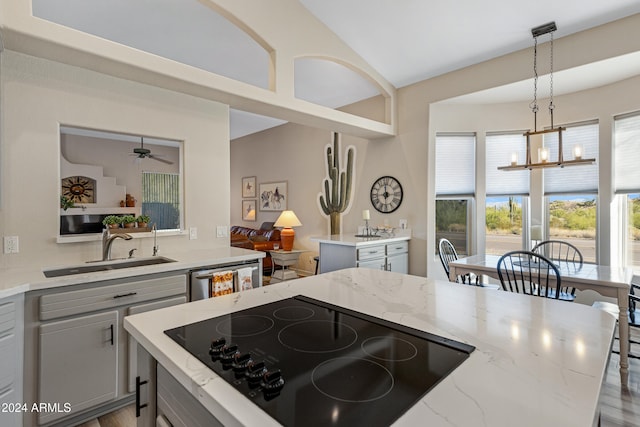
[559,250]
[531,274]
[448,254]
[564,254]
[633,315]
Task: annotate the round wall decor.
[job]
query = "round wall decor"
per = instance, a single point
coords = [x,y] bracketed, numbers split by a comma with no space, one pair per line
[386,194]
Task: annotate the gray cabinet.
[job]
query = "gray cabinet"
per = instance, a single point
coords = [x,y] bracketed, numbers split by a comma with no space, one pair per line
[11,344]
[371,257]
[177,407]
[77,350]
[132,345]
[398,257]
[379,255]
[389,257]
[78,363]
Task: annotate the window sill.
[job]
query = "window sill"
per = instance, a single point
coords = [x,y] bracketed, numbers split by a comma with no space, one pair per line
[94,237]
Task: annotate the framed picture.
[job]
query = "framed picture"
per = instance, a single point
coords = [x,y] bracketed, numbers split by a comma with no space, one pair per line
[249,210]
[273,196]
[249,186]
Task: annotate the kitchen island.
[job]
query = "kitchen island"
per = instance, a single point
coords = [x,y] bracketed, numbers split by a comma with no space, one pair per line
[380,252]
[536,361]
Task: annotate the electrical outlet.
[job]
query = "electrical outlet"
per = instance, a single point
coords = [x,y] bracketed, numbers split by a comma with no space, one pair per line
[11,245]
[193,233]
[221,231]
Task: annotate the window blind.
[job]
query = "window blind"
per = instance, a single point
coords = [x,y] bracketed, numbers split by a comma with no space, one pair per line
[455,164]
[499,149]
[626,140]
[161,199]
[573,179]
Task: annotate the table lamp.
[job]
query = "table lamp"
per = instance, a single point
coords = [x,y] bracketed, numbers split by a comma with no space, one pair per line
[287,220]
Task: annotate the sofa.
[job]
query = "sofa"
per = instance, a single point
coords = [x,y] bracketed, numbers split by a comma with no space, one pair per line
[261,239]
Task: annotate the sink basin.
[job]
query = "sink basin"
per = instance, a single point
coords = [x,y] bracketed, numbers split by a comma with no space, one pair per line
[106,266]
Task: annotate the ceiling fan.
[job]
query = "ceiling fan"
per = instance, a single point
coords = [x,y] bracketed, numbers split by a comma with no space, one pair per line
[142,153]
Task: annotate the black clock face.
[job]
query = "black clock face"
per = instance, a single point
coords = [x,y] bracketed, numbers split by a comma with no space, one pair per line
[79,189]
[386,194]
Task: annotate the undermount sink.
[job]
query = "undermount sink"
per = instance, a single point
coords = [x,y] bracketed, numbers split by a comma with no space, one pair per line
[95,266]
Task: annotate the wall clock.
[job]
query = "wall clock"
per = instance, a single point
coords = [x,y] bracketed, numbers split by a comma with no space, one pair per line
[79,189]
[386,194]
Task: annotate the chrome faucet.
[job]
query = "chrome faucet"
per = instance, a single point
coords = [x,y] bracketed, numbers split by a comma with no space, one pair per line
[155,239]
[107,241]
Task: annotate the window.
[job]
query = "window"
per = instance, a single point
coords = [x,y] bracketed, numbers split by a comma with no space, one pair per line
[572,218]
[627,182]
[572,191]
[161,199]
[455,188]
[506,193]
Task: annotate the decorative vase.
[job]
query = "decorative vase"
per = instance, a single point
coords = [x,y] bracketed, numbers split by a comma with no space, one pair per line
[129,225]
[142,225]
[112,226]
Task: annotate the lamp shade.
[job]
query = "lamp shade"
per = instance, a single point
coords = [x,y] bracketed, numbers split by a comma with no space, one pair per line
[287,220]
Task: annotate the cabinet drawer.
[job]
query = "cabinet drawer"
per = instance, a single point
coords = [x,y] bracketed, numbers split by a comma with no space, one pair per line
[397,248]
[100,298]
[369,252]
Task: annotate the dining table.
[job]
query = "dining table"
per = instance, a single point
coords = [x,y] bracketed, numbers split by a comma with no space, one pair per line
[614,282]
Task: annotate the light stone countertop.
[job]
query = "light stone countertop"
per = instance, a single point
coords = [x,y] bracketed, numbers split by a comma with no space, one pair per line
[23,279]
[537,361]
[351,240]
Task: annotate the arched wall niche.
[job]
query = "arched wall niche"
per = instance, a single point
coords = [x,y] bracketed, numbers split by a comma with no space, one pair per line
[224,44]
[330,82]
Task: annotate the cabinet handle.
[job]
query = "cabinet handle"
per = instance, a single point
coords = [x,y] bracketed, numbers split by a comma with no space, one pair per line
[389,267]
[111,328]
[125,295]
[138,405]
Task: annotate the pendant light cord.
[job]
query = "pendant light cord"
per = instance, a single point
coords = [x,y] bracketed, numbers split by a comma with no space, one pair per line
[551,105]
[534,103]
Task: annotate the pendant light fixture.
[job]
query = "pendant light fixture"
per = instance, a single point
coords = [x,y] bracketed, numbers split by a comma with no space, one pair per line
[535,138]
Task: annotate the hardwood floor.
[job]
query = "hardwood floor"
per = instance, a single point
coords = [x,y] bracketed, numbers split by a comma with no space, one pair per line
[124,417]
[619,407]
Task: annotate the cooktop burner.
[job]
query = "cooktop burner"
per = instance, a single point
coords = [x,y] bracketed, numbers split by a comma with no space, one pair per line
[307,362]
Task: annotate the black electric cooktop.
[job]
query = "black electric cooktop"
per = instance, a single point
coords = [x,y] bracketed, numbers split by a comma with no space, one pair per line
[306,362]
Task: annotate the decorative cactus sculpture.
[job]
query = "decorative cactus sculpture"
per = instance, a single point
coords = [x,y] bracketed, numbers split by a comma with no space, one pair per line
[337,188]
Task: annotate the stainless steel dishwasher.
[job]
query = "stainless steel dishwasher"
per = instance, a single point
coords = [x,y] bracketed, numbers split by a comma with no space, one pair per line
[199,280]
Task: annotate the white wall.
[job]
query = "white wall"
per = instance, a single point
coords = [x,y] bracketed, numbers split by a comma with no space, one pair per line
[38,95]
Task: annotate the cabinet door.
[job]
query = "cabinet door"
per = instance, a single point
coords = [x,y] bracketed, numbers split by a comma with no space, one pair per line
[78,363]
[398,263]
[377,264]
[132,371]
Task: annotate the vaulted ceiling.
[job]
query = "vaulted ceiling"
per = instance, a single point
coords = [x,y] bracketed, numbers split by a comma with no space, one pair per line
[405,41]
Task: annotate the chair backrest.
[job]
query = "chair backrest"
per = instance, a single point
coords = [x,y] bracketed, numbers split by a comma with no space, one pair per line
[529,273]
[447,254]
[558,250]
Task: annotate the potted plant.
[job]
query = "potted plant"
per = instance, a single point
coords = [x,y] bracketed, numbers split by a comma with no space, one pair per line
[66,203]
[143,221]
[129,221]
[112,221]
